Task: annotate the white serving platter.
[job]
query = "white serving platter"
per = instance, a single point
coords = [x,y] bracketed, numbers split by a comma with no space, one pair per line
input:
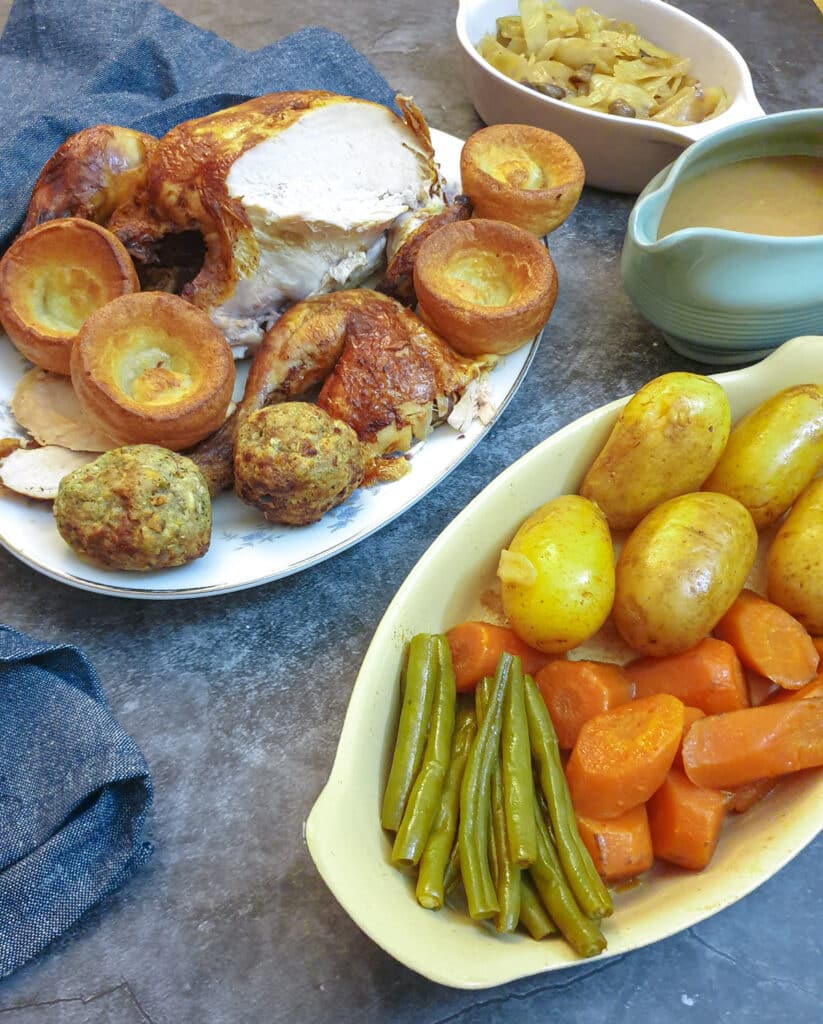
[351,851]
[246,550]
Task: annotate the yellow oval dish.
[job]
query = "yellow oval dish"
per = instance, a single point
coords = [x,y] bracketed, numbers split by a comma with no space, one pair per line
[343,831]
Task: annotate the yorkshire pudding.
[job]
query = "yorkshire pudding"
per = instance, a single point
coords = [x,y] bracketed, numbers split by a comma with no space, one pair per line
[484,286]
[52,278]
[521,174]
[151,368]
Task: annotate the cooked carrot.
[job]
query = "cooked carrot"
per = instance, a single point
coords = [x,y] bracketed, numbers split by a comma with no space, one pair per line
[812,689]
[476,648]
[750,793]
[685,821]
[619,847]
[575,691]
[621,756]
[769,640]
[689,715]
[725,751]
[708,676]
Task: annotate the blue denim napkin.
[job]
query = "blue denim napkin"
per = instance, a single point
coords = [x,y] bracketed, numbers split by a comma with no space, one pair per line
[65,65]
[74,793]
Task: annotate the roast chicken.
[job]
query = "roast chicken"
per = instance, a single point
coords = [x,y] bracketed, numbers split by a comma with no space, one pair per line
[293,194]
[382,371]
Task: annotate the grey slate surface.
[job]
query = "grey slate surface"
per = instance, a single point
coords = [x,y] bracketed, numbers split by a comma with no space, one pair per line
[237,701]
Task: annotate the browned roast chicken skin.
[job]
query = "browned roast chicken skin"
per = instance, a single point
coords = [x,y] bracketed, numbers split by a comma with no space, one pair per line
[386,374]
[95,171]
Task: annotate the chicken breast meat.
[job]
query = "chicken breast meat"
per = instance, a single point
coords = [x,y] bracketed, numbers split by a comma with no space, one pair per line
[293,195]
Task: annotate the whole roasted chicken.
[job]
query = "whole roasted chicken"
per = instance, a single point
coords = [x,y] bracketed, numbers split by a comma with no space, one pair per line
[293,194]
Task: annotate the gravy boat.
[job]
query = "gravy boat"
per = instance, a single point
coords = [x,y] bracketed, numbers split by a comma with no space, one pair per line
[723,296]
[620,154]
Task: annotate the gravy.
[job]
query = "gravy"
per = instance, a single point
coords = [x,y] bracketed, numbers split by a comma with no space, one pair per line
[765,195]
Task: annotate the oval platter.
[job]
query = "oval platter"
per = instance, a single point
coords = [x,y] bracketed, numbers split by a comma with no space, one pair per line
[343,831]
[247,551]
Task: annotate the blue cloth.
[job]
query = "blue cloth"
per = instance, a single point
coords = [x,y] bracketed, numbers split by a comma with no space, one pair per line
[65,65]
[74,793]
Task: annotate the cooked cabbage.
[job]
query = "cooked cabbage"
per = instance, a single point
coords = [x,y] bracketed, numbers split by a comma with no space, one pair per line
[599,63]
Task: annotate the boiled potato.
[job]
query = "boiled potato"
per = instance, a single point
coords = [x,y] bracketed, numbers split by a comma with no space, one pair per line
[794,563]
[558,574]
[680,570]
[666,441]
[773,453]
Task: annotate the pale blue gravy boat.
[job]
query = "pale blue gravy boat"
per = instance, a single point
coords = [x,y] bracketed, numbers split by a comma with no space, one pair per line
[723,296]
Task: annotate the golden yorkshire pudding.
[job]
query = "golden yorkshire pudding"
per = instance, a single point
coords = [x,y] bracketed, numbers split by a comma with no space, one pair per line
[484,286]
[52,278]
[521,174]
[151,369]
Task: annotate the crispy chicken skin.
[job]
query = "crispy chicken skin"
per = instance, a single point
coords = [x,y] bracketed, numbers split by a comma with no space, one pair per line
[95,171]
[395,377]
[386,374]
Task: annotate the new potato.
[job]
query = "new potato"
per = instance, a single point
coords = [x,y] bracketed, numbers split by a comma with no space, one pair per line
[558,574]
[666,441]
[680,570]
[794,563]
[773,453]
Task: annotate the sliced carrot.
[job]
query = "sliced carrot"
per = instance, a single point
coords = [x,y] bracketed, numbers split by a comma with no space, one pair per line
[575,691]
[621,756]
[619,847]
[689,715]
[476,648]
[708,676]
[769,640]
[725,751]
[685,821]
[812,689]
[750,793]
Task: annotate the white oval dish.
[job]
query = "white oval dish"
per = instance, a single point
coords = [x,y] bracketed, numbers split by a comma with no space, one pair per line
[247,551]
[343,831]
[620,154]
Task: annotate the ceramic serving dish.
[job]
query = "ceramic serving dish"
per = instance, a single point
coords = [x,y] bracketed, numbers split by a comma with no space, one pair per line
[620,154]
[343,831]
[725,296]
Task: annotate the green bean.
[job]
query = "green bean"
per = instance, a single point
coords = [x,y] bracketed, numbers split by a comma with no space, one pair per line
[424,800]
[581,932]
[415,711]
[451,876]
[533,914]
[506,873]
[431,884]
[588,887]
[475,800]
[515,754]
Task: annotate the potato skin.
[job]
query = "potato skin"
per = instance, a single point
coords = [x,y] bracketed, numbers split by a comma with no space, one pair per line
[568,544]
[794,562]
[680,570]
[665,442]
[773,453]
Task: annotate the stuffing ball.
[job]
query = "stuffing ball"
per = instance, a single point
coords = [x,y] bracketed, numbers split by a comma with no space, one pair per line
[137,507]
[294,462]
